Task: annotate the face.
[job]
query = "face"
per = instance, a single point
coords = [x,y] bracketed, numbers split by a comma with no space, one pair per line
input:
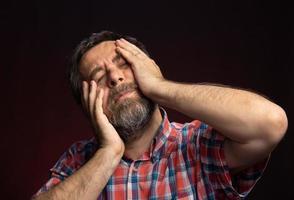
[103,65]
[123,103]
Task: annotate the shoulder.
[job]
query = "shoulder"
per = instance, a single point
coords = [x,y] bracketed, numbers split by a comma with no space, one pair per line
[83,146]
[75,156]
[189,131]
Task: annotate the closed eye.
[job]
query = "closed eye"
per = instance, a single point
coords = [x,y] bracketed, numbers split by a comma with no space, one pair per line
[99,77]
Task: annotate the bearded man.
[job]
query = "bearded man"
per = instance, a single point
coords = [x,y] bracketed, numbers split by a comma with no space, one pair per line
[137,153]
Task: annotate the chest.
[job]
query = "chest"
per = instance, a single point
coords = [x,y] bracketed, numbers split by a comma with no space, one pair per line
[175,175]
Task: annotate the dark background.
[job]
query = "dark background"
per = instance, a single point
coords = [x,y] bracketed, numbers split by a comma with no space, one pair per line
[247,44]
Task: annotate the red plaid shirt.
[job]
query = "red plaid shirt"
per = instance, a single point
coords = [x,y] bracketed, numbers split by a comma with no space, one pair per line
[186,161]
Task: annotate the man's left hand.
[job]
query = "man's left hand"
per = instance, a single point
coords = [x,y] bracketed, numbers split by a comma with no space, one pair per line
[146,71]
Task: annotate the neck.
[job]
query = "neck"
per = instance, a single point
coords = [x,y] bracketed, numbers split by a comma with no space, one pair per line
[135,149]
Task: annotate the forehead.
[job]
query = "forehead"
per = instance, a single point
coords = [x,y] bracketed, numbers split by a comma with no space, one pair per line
[100,52]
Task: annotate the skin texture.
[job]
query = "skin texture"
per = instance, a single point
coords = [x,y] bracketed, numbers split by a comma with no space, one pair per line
[252,125]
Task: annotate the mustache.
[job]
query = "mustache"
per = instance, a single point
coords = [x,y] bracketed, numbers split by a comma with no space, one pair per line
[124,87]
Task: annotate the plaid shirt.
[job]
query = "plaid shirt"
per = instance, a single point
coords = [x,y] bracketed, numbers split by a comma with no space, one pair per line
[186,161]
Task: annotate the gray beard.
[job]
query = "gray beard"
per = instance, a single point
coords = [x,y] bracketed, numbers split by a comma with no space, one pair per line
[130,116]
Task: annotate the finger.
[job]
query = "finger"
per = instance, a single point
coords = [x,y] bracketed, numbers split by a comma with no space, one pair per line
[127,55]
[85,94]
[129,47]
[99,102]
[92,97]
[99,115]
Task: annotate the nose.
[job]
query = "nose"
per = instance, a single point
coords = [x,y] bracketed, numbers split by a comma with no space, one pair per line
[115,75]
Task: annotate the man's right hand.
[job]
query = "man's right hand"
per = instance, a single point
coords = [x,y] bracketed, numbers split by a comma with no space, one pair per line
[106,134]
[89,180]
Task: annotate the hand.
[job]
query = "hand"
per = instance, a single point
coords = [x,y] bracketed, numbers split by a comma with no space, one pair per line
[105,132]
[146,71]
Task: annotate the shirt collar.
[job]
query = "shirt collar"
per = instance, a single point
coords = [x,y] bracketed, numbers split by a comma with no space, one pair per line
[161,137]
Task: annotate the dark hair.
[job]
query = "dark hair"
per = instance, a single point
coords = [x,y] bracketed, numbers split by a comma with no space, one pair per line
[85,45]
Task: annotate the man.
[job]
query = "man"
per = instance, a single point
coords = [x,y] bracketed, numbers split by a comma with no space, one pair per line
[137,153]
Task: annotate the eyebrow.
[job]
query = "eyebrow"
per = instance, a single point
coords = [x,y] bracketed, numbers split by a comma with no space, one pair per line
[116,58]
[98,68]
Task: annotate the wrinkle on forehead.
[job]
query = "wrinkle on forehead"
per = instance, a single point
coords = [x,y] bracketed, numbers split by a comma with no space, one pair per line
[103,52]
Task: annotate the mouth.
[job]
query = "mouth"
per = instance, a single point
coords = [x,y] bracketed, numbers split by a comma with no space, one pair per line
[123,95]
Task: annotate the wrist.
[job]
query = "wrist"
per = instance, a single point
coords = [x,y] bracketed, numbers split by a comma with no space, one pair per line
[163,92]
[113,152]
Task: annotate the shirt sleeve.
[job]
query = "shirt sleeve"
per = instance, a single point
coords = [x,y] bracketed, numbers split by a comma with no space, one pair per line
[215,168]
[68,163]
